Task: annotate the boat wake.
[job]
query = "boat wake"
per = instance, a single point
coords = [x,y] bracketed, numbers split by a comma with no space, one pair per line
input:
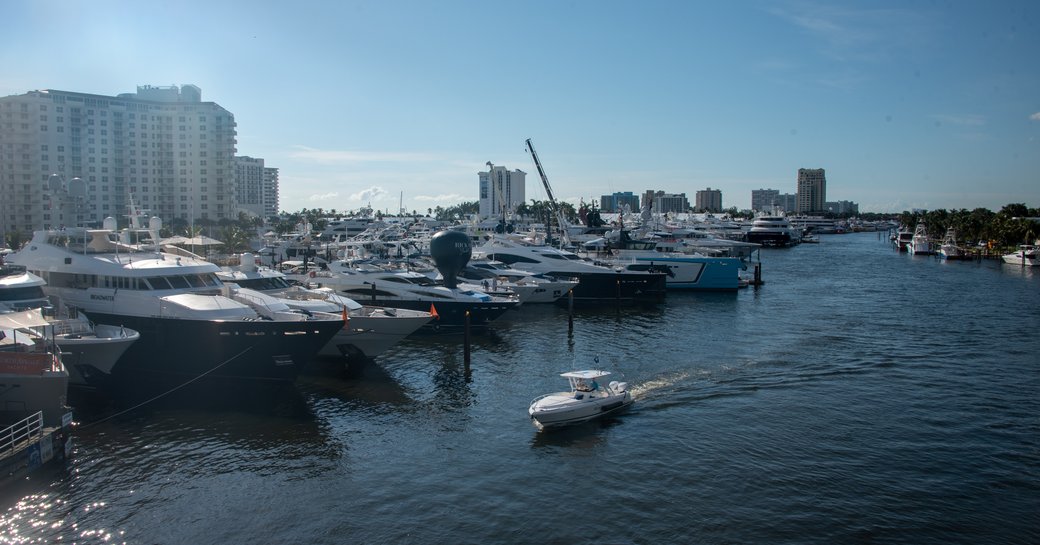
[647,389]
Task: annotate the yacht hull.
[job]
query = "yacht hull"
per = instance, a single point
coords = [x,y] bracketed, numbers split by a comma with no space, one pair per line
[617,288]
[451,315]
[181,350]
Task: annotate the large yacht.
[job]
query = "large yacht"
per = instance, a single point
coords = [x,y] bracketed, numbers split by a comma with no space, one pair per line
[773,230]
[369,330]
[189,328]
[685,271]
[596,283]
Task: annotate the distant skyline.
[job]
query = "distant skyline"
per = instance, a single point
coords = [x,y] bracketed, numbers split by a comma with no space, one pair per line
[905,104]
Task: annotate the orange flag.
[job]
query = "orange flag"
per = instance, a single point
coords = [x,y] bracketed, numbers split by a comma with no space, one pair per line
[346,319]
[433,311]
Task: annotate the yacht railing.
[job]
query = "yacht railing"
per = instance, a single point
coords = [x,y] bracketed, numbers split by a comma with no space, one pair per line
[21,433]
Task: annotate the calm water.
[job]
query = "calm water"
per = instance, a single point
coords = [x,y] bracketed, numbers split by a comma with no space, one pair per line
[860,396]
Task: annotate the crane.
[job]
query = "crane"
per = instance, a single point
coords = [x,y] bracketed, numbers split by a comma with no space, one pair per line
[548,191]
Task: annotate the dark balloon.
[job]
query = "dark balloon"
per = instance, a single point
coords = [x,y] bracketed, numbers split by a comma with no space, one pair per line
[451,251]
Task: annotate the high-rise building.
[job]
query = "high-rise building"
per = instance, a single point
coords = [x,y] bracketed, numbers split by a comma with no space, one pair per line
[270,192]
[617,201]
[812,190]
[171,151]
[764,199]
[709,200]
[256,187]
[501,190]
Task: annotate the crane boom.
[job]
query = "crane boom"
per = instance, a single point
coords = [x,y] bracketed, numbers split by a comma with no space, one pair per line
[548,191]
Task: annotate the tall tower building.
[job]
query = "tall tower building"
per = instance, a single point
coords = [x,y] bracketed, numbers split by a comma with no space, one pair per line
[709,200]
[270,193]
[812,190]
[171,151]
[501,190]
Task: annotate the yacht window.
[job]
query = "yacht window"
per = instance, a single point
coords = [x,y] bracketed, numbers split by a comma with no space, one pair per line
[159,283]
[511,259]
[196,281]
[179,282]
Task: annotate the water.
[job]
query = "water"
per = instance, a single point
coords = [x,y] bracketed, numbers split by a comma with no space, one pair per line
[859,396]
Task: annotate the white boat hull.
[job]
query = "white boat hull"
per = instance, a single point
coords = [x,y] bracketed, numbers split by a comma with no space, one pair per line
[89,358]
[566,408]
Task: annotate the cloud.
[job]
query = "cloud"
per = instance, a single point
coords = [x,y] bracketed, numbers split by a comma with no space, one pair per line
[1035,117]
[373,193]
[345,156]
[967,120]
[323,197]
[453,197]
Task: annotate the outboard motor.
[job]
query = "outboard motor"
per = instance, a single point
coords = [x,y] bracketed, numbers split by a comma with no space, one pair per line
[451,251]
[618,387]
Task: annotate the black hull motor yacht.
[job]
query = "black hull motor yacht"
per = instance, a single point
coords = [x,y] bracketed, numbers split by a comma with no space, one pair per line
[189,328]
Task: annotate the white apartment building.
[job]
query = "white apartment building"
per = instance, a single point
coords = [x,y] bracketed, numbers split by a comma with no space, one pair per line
[163,145]
[501,190]
[256,187]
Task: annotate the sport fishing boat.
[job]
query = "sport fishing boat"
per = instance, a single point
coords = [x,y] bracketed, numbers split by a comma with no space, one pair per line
[89,350]
[189,327]
[587,399]
[919,243]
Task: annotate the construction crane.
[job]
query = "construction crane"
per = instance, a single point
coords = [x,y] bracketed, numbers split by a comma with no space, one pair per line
[548,191]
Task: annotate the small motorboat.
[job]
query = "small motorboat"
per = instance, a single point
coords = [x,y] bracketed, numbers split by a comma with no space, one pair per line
[586,400]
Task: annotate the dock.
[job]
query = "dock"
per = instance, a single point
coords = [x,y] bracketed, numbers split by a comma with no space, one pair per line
[27,446]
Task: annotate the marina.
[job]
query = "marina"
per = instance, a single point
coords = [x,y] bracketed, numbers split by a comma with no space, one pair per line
[825,406]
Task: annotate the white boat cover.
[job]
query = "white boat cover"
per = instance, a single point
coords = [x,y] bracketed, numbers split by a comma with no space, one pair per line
[24,319]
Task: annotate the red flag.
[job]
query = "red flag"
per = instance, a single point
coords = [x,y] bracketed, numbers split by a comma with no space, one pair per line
[346,319]
[433,311]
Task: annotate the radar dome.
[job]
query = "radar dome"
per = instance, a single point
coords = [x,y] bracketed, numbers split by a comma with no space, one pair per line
[451,251]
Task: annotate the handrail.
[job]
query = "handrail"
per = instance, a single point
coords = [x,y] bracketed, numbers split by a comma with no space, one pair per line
[23,431]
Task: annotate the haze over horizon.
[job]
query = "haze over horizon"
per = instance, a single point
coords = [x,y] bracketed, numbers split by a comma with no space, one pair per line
[905,104]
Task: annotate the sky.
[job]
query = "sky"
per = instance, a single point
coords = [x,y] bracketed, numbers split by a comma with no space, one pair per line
[906,104]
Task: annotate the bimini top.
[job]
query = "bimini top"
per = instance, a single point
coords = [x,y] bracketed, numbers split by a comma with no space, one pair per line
[587,374]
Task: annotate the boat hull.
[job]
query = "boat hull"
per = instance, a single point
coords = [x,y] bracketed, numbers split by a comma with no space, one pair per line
[451,315]
[565,409]
[616,288]
[370,336]
[180,350]
[90,358]
[698,273]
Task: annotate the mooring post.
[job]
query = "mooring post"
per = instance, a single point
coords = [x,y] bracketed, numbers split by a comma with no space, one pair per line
[465,343]
[570,311]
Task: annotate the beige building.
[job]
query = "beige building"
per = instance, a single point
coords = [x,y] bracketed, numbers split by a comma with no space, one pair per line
[812,190]
[69,158]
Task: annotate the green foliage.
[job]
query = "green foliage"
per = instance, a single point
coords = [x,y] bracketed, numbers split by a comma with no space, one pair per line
[1009,227]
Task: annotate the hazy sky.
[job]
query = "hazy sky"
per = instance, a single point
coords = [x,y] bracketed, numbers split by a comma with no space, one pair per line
[905,104]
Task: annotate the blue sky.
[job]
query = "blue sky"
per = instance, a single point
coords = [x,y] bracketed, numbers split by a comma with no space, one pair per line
[905,104]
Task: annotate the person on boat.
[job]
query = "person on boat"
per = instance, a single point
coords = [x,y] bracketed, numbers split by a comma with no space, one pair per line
[595,385]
